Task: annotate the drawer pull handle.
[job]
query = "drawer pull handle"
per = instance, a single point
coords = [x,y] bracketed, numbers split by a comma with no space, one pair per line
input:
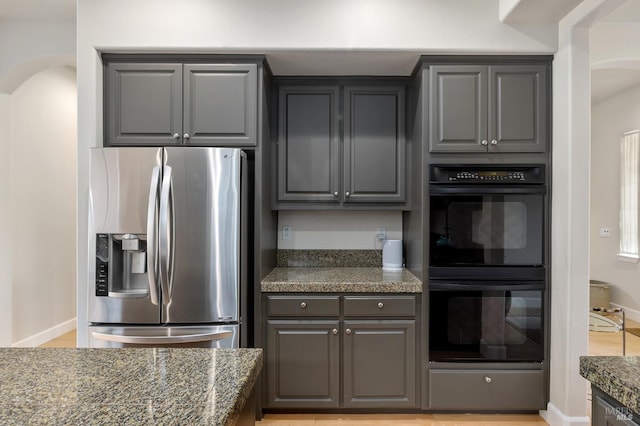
[334,331]
[487,379]
[380,305]
[303,305]
[348,331]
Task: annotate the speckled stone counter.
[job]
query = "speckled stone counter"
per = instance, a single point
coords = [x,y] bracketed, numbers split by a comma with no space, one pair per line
[339,280]
[617,376]
[56,386]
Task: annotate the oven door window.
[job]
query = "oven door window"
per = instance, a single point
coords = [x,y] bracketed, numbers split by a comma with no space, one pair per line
[486,230]
[489,325]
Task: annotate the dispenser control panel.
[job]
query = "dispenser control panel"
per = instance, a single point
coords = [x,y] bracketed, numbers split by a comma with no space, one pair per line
[102,265]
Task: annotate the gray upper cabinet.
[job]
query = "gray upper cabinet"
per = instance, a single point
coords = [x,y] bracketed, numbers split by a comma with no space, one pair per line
[308,148]
[143,104]
[174,103]
[488,108]
[374,145]
[341,145]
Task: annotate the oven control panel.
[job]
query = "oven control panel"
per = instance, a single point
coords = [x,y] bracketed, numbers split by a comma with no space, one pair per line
[487,174]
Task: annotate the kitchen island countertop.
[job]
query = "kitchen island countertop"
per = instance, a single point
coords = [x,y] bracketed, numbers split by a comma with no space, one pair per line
[617,376]
[141,386]
[340,280]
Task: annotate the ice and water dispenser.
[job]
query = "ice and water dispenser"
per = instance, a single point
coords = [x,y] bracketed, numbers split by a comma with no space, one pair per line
[121,265]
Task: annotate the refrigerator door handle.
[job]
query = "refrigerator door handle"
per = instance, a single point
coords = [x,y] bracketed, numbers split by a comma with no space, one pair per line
[164,338]
[152,229]
[166,236]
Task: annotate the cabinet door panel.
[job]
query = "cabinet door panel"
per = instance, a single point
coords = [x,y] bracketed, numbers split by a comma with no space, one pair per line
[143,104]
[303,364]
[379,364]
[458,104]
[374,145]
[309,162]
[220,104]
[518,104]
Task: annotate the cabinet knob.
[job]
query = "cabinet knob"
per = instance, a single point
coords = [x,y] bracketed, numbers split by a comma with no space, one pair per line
[347,194]
[303,305]
[334,331]
[176,135]
[380,305]
[494,142]
[484,142]
[348,331]
[186,136]
[487,379]
[335,194]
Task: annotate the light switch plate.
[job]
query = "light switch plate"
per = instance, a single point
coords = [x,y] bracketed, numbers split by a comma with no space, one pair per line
[605,232]
[286,232]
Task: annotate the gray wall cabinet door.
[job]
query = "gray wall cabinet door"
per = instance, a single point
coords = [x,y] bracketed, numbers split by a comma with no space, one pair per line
[303,364]
[488,108]
[308,145]
[143,104]
[220,104]
[379,362]
[374,144]
[458,105]
[518,102]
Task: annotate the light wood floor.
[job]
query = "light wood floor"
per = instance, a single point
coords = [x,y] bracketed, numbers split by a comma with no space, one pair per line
[600,343]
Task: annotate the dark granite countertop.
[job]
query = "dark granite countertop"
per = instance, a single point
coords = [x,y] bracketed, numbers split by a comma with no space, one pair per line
[617,376]
[340,280]
[146,386]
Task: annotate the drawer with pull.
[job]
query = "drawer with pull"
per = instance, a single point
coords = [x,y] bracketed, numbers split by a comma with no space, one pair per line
[284,305]
[379,306]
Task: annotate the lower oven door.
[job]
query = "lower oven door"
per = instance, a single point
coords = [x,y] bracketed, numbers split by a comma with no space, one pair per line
[486,321]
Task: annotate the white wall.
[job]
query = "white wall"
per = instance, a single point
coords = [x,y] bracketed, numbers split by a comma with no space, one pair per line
[5,226]
[610,118]
[42,200]
[28,46]
[337,230]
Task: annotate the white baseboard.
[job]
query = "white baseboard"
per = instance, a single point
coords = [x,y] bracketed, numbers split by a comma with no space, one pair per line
[555,417]
[46,335]
[632,314]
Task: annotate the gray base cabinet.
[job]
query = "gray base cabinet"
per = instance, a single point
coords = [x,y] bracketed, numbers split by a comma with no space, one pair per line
[488,108]
[486,390]
[341,146]
[334,351]
[180,104]
[606,411]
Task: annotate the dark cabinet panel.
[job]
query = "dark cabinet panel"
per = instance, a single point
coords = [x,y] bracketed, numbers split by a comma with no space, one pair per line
[303,361]
[308,147]
[486,390]
[374,145]
[379,364]
[143,104]
[488,108]
[220,104]
[341,145]
[173,103]
[606,411]
[459,110]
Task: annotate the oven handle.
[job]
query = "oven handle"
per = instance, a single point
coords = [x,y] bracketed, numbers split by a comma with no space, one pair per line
[481,190]
[478,286]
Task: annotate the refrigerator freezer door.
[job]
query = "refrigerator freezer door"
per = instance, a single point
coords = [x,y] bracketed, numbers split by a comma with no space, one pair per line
[119,245]
[203,264]
[224,336]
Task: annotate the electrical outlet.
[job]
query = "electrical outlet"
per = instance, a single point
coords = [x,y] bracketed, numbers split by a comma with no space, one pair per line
[382,233]
[286,232]
[605,232]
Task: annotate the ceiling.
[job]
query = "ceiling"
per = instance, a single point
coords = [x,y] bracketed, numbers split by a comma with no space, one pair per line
[604,82]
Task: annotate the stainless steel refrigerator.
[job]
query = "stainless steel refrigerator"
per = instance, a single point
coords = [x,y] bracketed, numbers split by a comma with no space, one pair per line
[168,246]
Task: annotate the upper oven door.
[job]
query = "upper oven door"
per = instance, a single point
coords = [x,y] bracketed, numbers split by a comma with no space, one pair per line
[486,225]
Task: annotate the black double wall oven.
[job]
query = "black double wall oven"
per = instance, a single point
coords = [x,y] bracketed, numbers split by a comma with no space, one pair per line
[487,263]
